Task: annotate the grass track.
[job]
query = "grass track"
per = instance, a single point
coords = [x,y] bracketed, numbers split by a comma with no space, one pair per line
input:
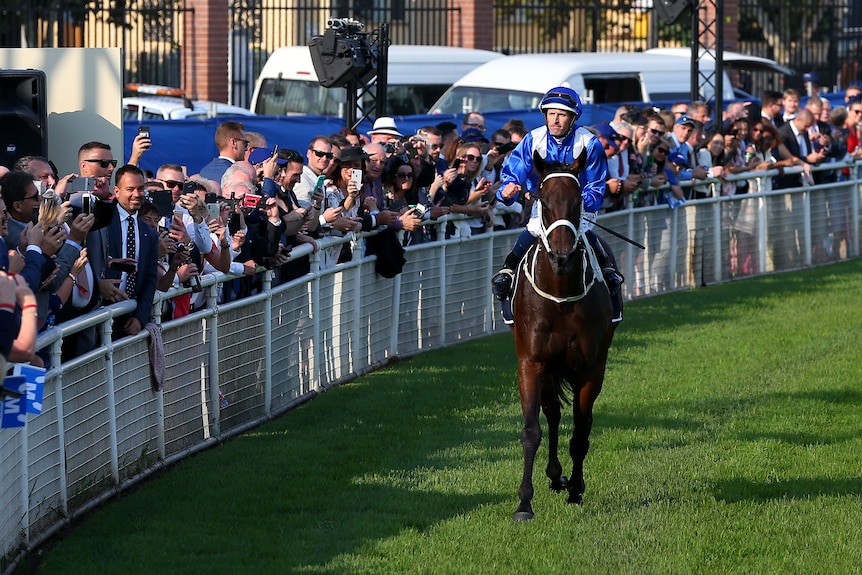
[727,440]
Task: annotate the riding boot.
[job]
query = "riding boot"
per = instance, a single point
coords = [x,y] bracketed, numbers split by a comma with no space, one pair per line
[613,278]
[501,282]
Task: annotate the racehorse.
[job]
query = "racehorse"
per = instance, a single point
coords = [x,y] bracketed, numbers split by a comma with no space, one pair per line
[563,330]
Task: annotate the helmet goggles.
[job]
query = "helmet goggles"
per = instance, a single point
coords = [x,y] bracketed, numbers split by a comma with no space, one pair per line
[562,99]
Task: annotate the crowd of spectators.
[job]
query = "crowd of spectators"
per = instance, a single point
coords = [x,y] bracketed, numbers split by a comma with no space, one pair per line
[105,233]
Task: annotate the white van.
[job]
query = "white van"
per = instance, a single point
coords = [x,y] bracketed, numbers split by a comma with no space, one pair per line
[518,82]
[418,75]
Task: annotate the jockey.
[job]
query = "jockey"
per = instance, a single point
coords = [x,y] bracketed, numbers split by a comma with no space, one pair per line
[559,140]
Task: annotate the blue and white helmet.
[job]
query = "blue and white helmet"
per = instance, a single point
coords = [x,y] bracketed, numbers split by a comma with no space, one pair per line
[562,98]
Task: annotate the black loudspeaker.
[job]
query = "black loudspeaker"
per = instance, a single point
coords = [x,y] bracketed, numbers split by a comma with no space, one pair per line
[338,59]
[23,130]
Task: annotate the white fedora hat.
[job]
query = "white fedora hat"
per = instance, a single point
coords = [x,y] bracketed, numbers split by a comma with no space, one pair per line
[385,125]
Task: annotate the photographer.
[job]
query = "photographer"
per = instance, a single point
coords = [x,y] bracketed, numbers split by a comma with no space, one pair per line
[372,209]
[282,174]
[402,193]
[319,157]
[465,190]
[173,267]
[386,131]
[60,248]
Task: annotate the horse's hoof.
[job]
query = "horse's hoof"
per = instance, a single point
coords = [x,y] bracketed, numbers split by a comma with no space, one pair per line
[522,516]
[575,499]
[559,485]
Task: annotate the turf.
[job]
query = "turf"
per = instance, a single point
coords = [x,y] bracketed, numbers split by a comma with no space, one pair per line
[726,440]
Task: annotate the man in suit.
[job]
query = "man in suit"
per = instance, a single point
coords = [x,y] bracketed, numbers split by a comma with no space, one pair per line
[795,136]
[232,144]
[127,240]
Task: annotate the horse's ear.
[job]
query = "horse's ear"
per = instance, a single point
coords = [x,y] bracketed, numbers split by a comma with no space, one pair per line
[579,162]
[538,163]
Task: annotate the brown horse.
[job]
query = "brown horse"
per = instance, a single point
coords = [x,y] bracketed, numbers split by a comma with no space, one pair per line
[563,330]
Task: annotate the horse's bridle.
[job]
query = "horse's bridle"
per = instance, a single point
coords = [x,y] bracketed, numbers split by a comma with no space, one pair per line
[545,231]
[580,238]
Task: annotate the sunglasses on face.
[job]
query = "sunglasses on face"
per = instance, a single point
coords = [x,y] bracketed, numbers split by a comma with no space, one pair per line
[245,143]
[173,184]
[471,157]
[404,176]
[104,163]
[756,130]
[656,132]
[662,150]
[320,154]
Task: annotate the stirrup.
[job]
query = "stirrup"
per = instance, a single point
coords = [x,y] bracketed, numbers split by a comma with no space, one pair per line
[506,312]
[501,283]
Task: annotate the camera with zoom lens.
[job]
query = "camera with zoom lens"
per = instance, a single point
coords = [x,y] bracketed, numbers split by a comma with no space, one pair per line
[345,25]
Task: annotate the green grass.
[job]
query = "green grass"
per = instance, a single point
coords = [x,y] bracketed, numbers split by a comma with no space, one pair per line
[726,440]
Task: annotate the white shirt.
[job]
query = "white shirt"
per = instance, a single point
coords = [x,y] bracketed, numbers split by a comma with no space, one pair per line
[124,231]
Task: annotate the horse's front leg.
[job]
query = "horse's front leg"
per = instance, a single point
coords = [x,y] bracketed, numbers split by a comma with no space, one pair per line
[530,376]
[551,409]
[580,443]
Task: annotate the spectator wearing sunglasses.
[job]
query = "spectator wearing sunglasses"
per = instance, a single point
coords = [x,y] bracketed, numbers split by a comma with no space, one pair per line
[463,191]
[558,140]
[95,160]
[319,157]
[473,121]
[256,141]
[770,107]
[171,175]
[655,129]
[372,200]
[232,144]
[433,138]
[385,131]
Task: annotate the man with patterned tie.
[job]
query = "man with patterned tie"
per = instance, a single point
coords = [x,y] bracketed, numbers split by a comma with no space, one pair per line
[131,241]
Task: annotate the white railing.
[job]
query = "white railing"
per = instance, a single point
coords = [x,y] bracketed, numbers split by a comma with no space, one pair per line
[230,367]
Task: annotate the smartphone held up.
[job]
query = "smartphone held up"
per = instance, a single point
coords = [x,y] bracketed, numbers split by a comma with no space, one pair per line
[356,177]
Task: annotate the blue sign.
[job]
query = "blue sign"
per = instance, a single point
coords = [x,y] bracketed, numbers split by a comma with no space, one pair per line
[35,377]
[15,408]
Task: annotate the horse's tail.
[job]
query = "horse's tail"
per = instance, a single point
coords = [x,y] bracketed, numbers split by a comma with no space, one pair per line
[563,391]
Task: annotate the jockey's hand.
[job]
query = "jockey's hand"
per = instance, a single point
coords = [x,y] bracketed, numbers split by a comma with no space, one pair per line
[510,190]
